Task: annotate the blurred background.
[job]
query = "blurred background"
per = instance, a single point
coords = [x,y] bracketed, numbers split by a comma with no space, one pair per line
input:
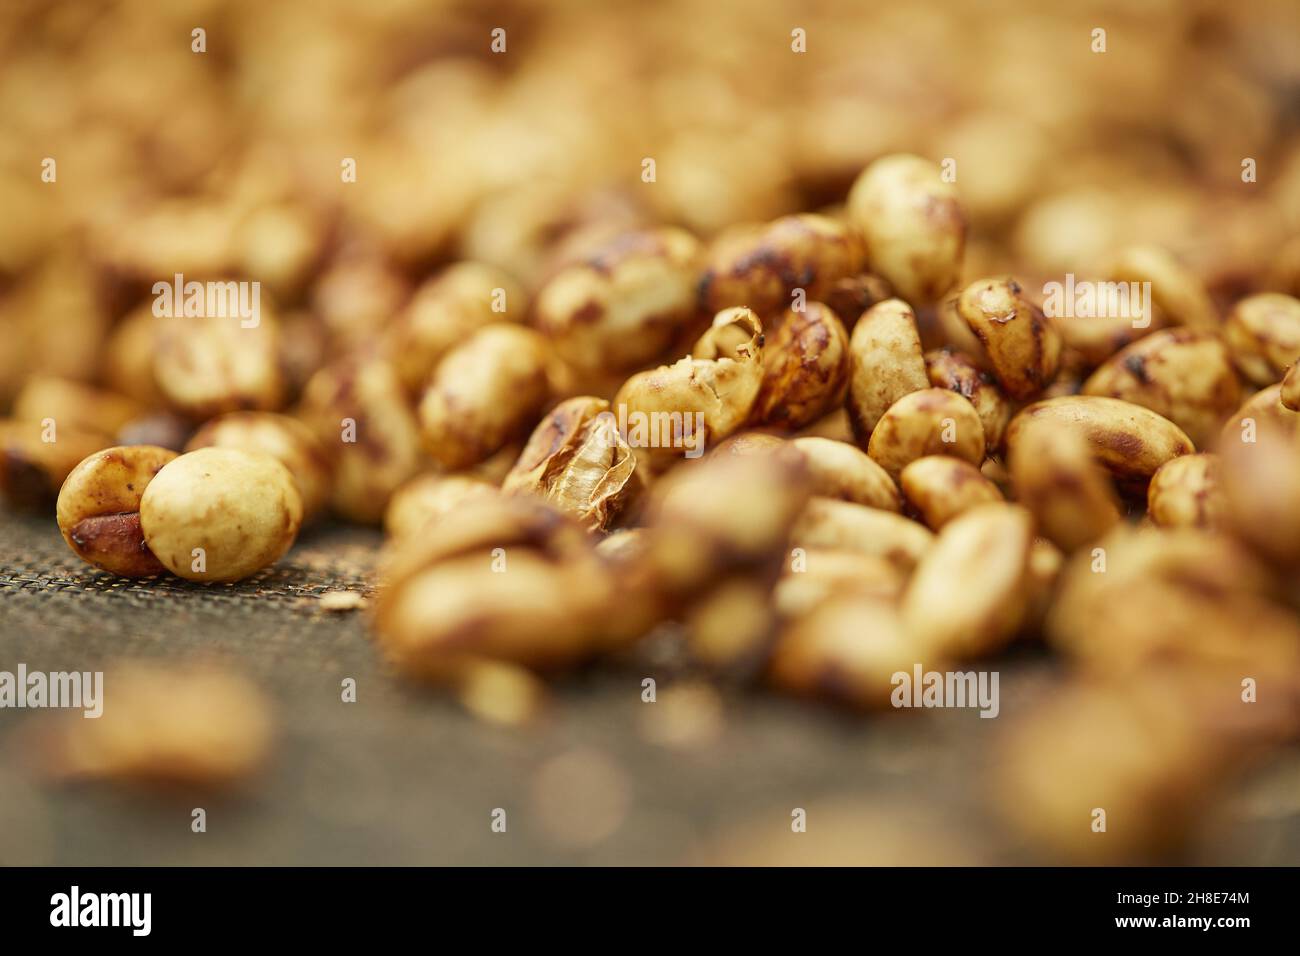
[227,163]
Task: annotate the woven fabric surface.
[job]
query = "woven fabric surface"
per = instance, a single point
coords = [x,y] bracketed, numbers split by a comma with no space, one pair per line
[406,776]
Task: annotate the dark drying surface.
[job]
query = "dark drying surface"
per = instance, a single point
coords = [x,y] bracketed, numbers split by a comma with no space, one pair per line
[406,776]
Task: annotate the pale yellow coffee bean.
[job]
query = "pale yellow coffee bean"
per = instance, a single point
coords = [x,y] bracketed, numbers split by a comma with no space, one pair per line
[175,725]
[913,224]
[1046,561]
[1056,478]
[444,312]
[74,405]
[212,364]
[1262,495]
[849,648]
[837,469]
[428,497]
[842,525]
[813,576]
[1290,392]
[1263,334]
[1262,412]
[885,363]
[1176,290]
[220,514]
[285,439]
[970,592]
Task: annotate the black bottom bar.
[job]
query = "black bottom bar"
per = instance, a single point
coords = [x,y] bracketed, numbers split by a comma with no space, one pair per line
[306,905]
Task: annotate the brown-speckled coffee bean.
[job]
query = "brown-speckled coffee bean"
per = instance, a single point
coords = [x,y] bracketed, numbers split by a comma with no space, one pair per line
[848,648]
[958,373]
[99,508]
[485,393]
[933,421]
[761,267]
[1023,346]
[913,224]
[1129,440]
[34,460]
[704,397]
[940,488]
[208,365]
[357,410]
[1185,492]
[805,368]
[1056,478]
[625,303]
[445,311]
[428,497]
[500,578]
[1182,374]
